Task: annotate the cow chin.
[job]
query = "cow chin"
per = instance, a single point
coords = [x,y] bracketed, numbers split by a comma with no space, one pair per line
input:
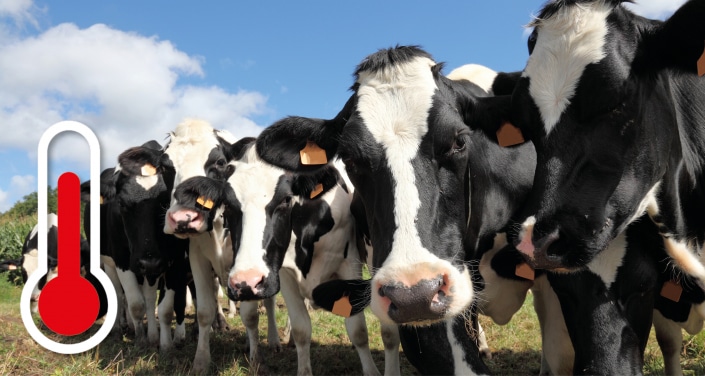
[420,294]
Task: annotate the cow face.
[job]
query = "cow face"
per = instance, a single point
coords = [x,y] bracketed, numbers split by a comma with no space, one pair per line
[404,143]
[260,201]
[599,106]
[143,181]
[195,149]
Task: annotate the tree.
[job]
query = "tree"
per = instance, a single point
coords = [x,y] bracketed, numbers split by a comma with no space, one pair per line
[28,206]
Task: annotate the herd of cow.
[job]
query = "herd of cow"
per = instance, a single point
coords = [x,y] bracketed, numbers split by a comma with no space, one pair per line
[581,178]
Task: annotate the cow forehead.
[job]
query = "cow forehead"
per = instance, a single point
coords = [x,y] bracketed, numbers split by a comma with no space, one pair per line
[394,105]
[254,181]
[568,41]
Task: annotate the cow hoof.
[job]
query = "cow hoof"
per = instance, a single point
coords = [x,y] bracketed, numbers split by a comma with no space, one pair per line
[200,366]
[165,349]
[276,347]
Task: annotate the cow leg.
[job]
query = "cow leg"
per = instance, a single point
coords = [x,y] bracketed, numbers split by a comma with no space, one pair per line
[300,320]
[670,338]
[482,343]
[150,298]
[135,302]
[205,308]
[357,332]
[220,322]
[180,299]
[557,352]
[250,318]
[272,333]
[166,314]
[111,271]
[232,309]
[390,340]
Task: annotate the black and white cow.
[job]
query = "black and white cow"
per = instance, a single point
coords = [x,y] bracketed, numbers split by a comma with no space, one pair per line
[405,147]
[135,195]
[193,146]
[290,232]
[614,106]
[29,262]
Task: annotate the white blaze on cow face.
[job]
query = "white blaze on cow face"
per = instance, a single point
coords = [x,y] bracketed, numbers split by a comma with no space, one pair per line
[188,149]
[394,104]
[568,41]
[254,183]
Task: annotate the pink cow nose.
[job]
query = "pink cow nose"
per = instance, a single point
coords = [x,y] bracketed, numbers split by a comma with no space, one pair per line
[184,220]
[245,285]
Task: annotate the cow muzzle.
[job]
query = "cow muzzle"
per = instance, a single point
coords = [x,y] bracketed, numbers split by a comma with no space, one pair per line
[184,222]
[427,300]
[247,285]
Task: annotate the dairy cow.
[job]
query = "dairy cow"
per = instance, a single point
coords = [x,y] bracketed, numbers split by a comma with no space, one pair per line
[134,197]
[196,149]
[290,232]
[613,105]
[405,147]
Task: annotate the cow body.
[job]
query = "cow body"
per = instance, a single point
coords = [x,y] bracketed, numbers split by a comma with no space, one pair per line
[193,146]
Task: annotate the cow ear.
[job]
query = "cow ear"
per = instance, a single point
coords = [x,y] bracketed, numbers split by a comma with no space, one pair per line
[107,184]
[679,43]
[491,115]
[356,291]
[282,143]
[315,185]
[236,151]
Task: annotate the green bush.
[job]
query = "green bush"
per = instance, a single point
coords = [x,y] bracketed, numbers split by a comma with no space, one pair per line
[12,235]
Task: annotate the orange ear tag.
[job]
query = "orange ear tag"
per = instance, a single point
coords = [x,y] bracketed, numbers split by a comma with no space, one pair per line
[701,65]
[509,135]
[342,307]
[312,154]
[525,271]
[672,290]
[205,202]
[148,170]
[317,191]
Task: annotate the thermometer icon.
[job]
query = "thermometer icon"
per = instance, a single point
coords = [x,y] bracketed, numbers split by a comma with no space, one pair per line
[69,303]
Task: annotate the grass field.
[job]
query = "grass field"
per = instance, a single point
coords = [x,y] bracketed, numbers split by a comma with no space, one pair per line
[515,347]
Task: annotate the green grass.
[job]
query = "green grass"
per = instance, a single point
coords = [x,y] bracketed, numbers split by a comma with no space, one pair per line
[515,347]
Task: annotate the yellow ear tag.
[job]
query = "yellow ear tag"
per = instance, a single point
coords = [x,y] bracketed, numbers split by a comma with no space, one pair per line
[148,170]
[317,191]
[701,65]
[312,154]
[509,135]
[205,202]
[342,307]
[672,290]
[101,199]
[525,271]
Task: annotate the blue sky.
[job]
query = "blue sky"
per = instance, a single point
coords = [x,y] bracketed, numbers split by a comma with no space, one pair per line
[131,70]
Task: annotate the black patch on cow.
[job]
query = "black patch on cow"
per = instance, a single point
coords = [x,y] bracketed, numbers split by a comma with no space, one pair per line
[310,220]
[429,350]
[327,293]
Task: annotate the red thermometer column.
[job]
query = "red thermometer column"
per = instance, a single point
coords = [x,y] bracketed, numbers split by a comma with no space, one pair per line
[69,303]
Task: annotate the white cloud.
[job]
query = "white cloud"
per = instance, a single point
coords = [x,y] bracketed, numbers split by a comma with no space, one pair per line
[23,183]
[4,203]
[20,11]
[122,85]
[658,9]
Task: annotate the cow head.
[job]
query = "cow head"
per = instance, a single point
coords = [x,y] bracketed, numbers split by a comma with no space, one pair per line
[196,149]
[597,98]
[403,139]
[263,205]
[143,181]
